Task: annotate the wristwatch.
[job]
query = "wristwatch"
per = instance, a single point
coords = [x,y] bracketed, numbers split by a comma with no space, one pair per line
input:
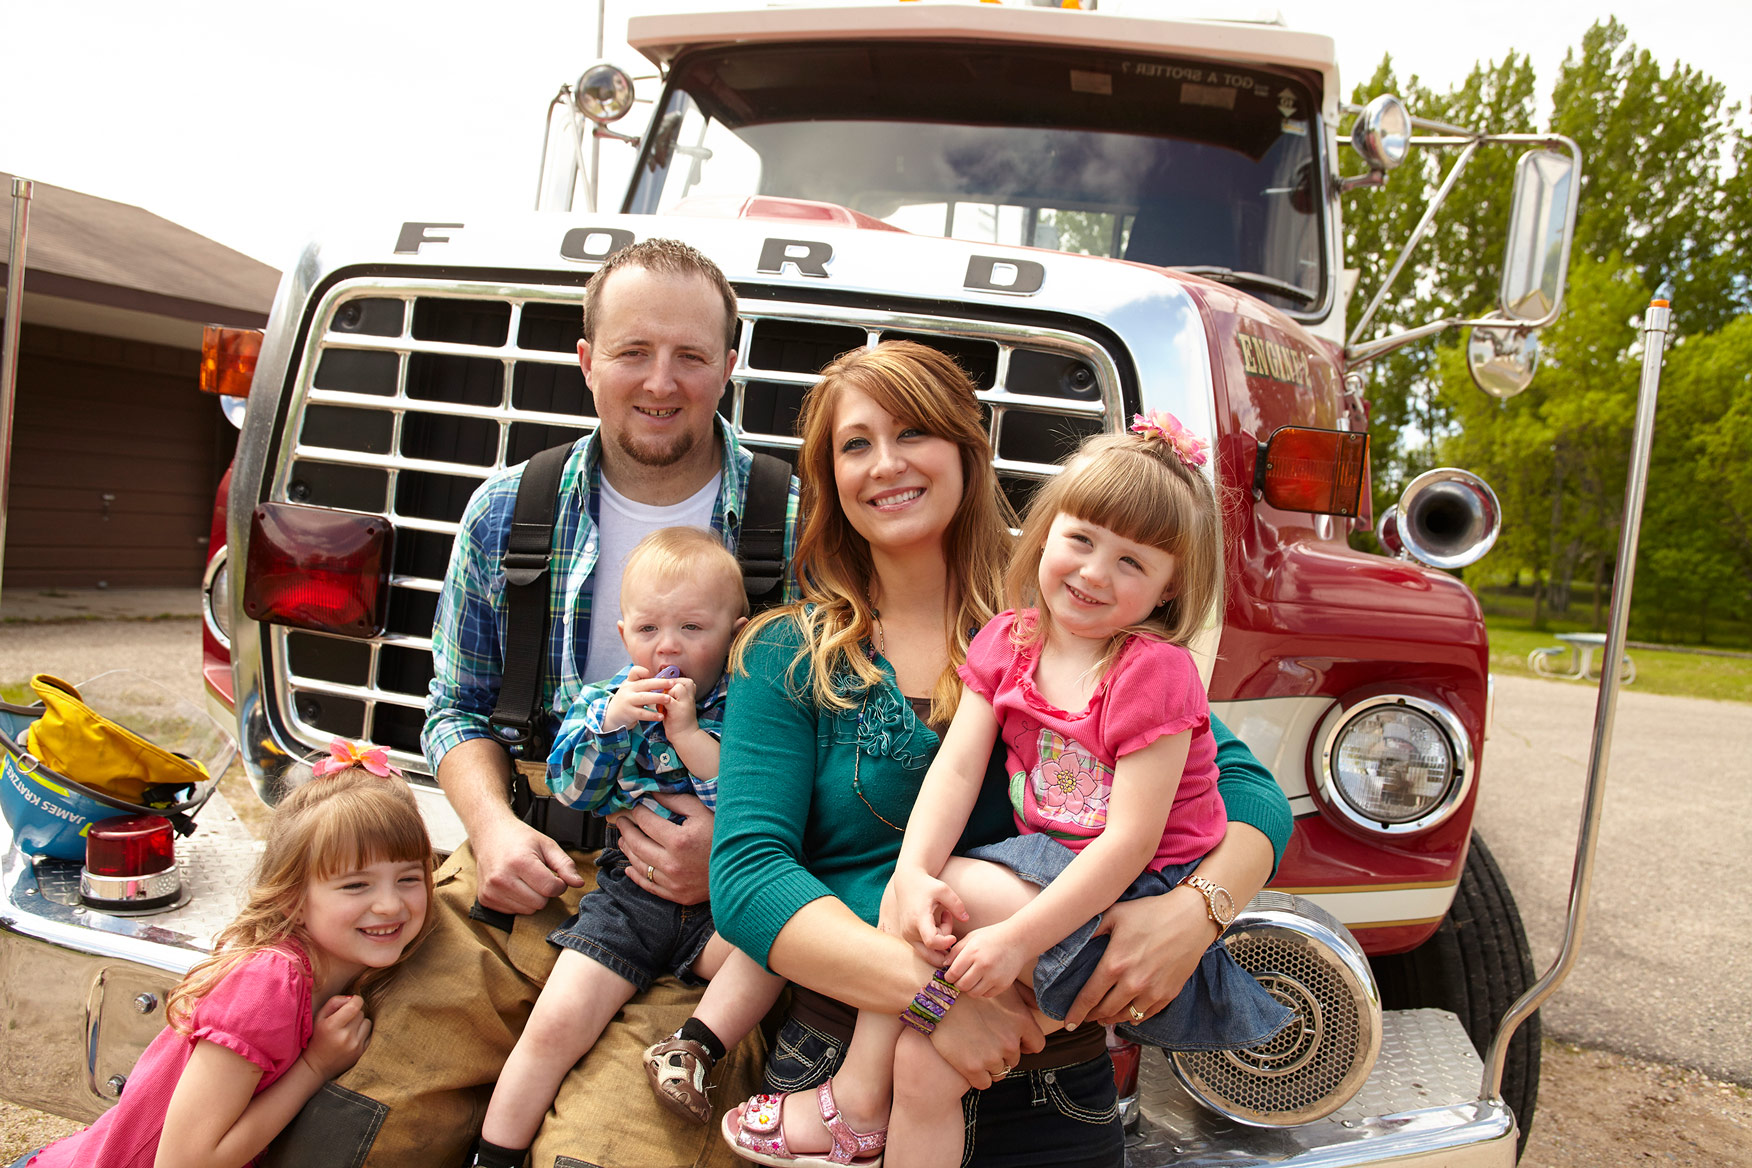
[1217,900]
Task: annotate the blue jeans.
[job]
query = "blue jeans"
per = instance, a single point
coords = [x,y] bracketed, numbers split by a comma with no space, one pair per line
[24,1159]
[1066,1117]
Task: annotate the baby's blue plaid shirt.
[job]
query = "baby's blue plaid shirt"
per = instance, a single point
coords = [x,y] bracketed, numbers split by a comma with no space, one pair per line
[604,771]
[468,637]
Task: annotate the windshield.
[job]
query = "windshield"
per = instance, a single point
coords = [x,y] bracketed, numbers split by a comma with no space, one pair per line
[1177,163]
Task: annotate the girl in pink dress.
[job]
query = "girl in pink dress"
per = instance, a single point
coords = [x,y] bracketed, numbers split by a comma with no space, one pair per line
[281,1007]
[1112,777]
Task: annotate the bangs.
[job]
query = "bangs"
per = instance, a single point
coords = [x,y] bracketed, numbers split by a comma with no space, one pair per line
[360,828]
[1115,493]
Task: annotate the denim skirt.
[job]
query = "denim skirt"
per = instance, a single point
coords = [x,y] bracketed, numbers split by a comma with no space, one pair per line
[1221,1007]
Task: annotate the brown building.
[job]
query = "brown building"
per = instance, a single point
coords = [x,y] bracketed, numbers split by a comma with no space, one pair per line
[116,453]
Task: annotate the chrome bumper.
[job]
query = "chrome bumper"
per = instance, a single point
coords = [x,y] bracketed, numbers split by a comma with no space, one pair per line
[1419,1107]
[82,992]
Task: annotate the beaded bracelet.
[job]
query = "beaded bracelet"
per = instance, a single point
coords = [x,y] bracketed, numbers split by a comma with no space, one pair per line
[931,1003]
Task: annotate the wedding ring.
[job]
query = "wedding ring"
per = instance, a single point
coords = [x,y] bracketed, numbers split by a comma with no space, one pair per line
[1007,1069]
[651,875]
[1137,1014]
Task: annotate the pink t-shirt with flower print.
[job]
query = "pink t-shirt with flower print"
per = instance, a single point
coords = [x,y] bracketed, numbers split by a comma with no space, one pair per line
[1061,763]
[261,1010]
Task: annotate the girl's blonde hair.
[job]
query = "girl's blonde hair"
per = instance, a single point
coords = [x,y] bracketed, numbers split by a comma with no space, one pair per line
[1136,486]
[325,827]
[920,387]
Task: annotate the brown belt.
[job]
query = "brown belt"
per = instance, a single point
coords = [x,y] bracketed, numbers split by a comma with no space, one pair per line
[1064,1048]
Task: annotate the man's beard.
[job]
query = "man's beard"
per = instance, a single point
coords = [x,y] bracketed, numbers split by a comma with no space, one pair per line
[655,454]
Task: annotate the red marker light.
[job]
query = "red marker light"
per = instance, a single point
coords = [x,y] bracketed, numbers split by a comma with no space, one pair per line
[316,568]
[130,864]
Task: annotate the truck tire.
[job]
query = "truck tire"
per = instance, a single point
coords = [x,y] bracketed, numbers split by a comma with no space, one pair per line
[1476,965]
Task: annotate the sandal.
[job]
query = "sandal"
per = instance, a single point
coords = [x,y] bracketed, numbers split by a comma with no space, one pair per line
[758,1134]
[677,1070]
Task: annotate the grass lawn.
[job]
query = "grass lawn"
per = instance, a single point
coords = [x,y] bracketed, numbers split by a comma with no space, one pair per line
[1657,671]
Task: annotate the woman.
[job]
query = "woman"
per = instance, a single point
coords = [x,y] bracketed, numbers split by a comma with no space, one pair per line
[832,721]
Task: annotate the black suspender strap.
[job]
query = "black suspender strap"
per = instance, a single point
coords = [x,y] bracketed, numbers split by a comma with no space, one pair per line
[517,719]
[760,548]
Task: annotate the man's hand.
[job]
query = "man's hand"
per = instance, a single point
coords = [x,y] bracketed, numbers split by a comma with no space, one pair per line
[677,853]
[641,698]
[339,1036]
[980,1036]
[1154,944]
[520,868]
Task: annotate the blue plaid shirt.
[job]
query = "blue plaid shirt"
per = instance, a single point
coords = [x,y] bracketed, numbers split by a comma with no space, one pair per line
[468,637]
[604,771]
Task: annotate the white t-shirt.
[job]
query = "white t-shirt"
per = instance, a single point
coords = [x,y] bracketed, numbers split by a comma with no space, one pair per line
[621,524]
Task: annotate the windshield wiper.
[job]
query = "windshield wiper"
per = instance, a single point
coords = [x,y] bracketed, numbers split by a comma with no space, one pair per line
[1248,280]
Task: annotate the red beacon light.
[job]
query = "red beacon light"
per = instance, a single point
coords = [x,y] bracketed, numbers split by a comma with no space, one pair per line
[130,865]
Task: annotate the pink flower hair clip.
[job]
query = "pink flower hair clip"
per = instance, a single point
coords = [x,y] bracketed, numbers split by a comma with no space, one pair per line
[1187,446]
[344,754]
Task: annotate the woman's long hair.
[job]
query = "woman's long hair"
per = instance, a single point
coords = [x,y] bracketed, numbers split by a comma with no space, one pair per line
[1137,487]
[920,387]
[326,826]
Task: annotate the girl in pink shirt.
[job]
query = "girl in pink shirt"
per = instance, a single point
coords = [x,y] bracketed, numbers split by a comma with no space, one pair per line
[254,1031]
[1112,779]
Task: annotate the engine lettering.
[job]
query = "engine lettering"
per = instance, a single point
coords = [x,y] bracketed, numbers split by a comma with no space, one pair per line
[1263,358]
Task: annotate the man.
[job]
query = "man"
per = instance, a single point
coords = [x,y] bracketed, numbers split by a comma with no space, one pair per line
[659,334]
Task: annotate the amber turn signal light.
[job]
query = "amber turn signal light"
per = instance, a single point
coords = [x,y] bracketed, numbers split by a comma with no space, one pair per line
[228,359]
[1320,471]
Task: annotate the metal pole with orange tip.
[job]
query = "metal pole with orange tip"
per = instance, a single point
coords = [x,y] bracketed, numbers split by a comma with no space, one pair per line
[21,193]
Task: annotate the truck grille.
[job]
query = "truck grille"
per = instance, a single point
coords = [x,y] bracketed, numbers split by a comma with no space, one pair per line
[410,393]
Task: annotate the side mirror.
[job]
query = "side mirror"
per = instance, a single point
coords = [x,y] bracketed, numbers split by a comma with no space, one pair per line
[1502,360]
[1542,222]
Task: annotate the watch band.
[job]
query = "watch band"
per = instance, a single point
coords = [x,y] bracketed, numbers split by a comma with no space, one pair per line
[1209,890]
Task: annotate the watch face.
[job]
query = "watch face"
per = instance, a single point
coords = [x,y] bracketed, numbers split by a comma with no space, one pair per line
[1223,905]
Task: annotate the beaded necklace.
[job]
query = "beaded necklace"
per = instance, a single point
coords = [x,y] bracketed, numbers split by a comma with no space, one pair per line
[880,648]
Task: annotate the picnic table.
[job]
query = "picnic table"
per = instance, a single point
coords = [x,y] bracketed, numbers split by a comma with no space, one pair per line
[1577,652]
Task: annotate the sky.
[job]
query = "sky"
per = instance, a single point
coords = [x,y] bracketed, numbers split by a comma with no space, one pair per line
[258,123]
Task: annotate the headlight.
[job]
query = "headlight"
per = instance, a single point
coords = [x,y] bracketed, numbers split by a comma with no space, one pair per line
[216,597]
[1395,764]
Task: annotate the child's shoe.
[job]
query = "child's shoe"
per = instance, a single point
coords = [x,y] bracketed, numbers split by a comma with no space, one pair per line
[677,1068]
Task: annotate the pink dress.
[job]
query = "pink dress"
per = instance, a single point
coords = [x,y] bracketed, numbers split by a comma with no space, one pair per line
[1061,763]
[260,1011]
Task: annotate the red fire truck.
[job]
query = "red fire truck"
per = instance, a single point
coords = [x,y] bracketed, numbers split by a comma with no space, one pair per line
[1095,215]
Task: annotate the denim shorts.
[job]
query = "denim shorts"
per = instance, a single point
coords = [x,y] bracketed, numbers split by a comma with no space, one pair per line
[1221,1007]
[636,934]
[1066,1117]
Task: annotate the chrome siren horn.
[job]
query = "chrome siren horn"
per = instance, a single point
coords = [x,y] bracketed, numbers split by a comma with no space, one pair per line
[1448,518]
[1310,962]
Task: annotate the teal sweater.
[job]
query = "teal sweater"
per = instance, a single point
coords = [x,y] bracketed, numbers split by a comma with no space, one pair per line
[803,793]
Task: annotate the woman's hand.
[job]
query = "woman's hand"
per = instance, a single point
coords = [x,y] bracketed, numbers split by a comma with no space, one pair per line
[987,962]
[339,1037]
[980,1037]
[677,852]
